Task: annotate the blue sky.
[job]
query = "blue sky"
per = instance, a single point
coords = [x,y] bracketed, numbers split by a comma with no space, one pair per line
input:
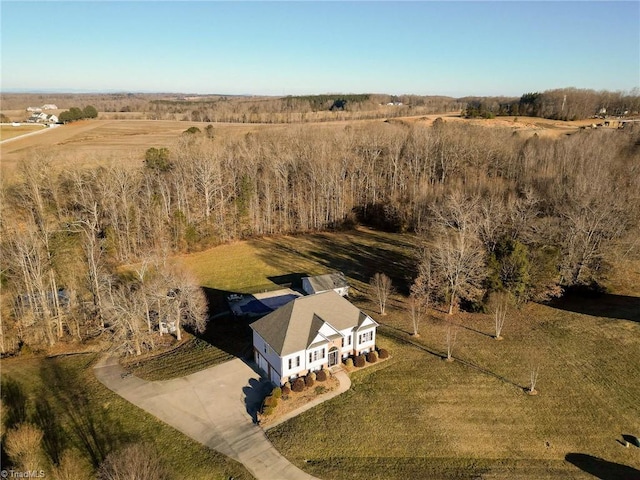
[280,48]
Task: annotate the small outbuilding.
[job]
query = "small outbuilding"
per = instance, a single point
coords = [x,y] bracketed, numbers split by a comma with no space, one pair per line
[325,283]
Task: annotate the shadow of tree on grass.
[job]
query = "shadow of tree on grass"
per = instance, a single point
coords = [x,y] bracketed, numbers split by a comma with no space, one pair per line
[602,469]
[358,254]
[90,427]
[597,304]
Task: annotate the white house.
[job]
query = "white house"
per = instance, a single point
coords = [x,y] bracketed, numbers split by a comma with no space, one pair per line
[42,118]
[310,333]
[324,283]
[49,106]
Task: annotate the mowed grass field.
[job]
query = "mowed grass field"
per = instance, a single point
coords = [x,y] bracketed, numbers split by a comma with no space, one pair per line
[418,416]
[257,265]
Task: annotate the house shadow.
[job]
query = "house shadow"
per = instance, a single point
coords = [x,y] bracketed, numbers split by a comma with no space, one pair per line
[602,469]
[599,304]
[254,394]
[290,280]
[225,331]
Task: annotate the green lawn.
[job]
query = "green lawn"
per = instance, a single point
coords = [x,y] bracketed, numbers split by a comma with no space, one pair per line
[255,265]
[421,417]
[83,408]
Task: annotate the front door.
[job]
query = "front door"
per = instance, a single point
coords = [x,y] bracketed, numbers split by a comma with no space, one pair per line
[333,357]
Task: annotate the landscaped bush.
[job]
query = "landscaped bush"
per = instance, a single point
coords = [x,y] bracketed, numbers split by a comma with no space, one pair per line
[286,389]
[309,380]
[321,376]
[348,362]
[276,392]
[359,362]
[312,375]
[298,385]
[372,356]
[267,411]
[270,401]
[384,353]
[320,389]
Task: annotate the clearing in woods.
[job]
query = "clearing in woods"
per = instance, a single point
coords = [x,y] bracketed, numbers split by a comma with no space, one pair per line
[417,416]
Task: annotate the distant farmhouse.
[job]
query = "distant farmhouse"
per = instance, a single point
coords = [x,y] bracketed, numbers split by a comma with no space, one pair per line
[41,117]
[324,283]
[48,106]
[311,333]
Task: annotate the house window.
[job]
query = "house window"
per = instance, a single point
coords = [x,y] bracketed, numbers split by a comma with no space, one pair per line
[365,337]
[316,354]
[349,339]
[265,348]
[294,362]
[342,342]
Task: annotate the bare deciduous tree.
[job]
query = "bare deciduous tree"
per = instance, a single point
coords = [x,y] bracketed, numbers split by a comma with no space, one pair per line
[133,462]
[451,337]
[416,308]
[186,299]
[23,445]
[382,289]
[72,467]
[534,370]
[422,291]
[458,261]
[499,305]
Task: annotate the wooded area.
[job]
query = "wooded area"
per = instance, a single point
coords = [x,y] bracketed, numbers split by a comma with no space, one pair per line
[88,252]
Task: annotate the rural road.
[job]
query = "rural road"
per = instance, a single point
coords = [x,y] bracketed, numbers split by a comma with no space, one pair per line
[20,137]
[211,406]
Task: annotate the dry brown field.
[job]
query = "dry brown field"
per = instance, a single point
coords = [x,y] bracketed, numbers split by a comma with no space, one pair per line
[102,142]
[9,131]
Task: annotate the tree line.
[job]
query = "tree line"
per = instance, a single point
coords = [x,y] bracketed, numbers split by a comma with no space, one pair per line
[76,113]
[494,212]
[557,104]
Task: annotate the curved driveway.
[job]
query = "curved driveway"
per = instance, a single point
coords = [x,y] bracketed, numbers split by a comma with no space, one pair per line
[212,407]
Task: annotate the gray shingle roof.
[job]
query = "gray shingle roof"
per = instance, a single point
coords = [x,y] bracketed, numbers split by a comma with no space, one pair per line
[321,283]
[293,327]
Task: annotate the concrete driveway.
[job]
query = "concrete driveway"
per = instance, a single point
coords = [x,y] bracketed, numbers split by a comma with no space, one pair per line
[216,407]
